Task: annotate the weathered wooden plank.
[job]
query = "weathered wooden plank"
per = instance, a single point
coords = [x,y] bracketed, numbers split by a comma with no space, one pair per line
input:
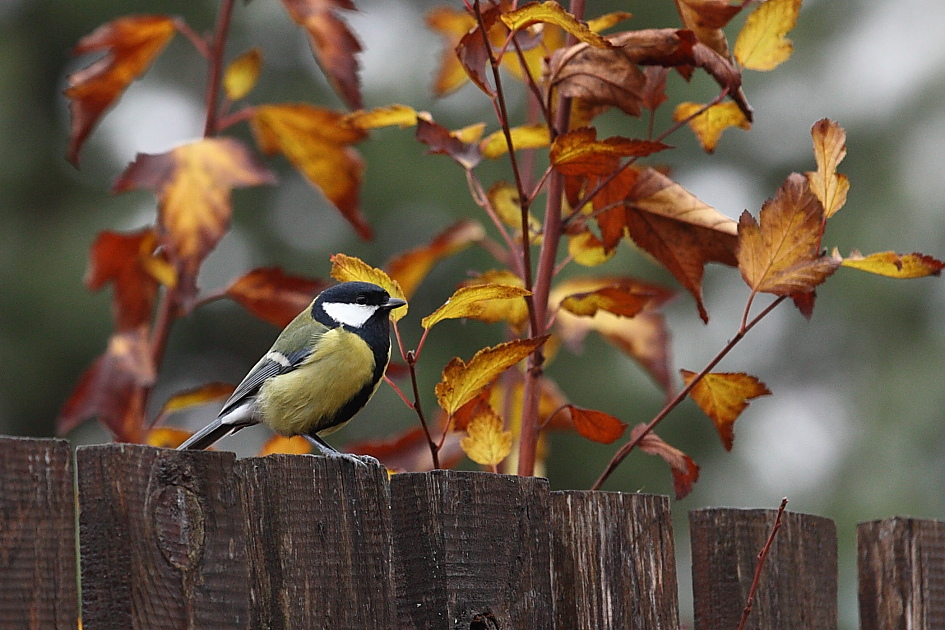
[471,550]
[320,543]
[902,574]
[162,539]
[798,584]
[613,562]
[37,535]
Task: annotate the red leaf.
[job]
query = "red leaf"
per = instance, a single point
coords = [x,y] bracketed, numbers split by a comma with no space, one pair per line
[334,45]
[274,296]
[685,471]
[596,425]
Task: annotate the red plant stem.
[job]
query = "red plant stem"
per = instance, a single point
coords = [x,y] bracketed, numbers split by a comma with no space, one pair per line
[531,395]
[215,70]
[761,561]
[434,448]
[624,450]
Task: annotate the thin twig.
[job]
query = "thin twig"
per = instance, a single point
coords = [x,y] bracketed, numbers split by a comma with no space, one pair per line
[434,448]
[761,561]
[621,454]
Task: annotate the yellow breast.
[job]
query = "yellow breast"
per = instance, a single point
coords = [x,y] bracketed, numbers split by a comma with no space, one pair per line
[307,398]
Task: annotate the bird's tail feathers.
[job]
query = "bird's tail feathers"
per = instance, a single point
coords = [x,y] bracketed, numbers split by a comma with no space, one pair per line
[207,436]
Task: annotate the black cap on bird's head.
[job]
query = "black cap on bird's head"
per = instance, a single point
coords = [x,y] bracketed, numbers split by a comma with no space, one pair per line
[353,304]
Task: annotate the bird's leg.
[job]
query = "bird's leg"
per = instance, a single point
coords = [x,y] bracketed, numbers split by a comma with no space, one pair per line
[328,451]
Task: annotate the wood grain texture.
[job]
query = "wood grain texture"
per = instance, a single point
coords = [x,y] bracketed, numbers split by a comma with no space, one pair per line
[613,562]
[37,535]
[798,586]
[902,574]
[471,551]
[320,543]
[162,539]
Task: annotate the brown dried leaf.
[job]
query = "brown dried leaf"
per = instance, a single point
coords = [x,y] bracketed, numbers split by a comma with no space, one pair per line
[685,471]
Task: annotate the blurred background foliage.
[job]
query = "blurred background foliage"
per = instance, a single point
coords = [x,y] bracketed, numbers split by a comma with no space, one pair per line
[854,430]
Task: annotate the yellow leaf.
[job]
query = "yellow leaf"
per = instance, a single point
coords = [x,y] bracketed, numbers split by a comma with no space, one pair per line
[462,381]
[346,268]
[553,13]
[893,265]
[242,73]
[468,302]
[411,267]
[523,137]
[486,442]
[504,199]
[317,142]
[761,44]
[830,147]
[199,396]
[400,115]
[588,250]
[723,397]
[451,24]
[514,312]
[780,255]
[709,125]
[603,22]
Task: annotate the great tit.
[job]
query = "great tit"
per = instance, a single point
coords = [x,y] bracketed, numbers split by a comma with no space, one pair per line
[321,370]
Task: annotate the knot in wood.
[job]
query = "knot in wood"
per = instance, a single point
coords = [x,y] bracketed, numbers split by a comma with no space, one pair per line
[179,525]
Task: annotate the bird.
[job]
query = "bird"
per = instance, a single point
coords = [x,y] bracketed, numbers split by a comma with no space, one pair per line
[321,370]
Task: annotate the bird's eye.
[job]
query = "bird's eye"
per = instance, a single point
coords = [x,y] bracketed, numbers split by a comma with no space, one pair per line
[361,300]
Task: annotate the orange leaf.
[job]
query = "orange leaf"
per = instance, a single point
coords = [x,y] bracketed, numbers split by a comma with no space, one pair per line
[411,267]
[166,437]
[830,147]
[709,125]
[131,44]
[193,184]
[781,255]
[462,381]
[578,152]
[620,301]
[130,263]
[242,73]
[552,13]
[893,265]
[514,312]
[272,295]
[596,425]
[706,18]
[645,337]
[348,268]
[468,302]
[317,143]
[588,250]
[761,44]
[723,396]
[334,45]
[279,444]
[685,471]
[486,442]
[680,231]
[112,389]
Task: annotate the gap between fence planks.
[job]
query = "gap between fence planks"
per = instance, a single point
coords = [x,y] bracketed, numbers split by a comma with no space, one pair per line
[202,540]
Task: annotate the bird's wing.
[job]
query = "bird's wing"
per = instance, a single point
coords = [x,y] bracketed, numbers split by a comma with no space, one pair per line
[273,364]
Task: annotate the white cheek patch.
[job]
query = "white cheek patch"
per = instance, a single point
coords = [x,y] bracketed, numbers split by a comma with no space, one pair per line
[353,315]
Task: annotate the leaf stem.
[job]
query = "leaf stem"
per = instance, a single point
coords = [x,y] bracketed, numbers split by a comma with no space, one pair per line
[624,450]
[434,448]
[215,71]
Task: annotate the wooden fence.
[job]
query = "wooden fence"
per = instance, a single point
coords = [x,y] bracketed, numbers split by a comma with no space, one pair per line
[203,540]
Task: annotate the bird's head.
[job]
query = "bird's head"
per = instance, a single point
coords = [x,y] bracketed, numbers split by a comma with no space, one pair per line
[353,304]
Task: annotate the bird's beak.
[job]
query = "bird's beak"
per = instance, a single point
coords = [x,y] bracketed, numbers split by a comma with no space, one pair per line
[393,303]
